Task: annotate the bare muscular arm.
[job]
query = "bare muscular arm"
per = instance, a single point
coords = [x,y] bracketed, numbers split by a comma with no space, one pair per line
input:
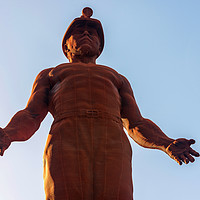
[27,121]
[148,134]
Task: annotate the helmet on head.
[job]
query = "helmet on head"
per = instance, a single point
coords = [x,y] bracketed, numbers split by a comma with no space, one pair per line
[83,19]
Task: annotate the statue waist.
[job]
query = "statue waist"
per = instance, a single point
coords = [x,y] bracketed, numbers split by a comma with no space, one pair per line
[87,113]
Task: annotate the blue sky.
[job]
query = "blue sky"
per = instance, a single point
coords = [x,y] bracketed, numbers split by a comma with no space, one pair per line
[154,43]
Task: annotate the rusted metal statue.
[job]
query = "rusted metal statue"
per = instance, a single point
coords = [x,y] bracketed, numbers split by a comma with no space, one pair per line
[87,154]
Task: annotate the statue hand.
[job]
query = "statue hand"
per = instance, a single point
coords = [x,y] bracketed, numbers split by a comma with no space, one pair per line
[4,141]
[180,151]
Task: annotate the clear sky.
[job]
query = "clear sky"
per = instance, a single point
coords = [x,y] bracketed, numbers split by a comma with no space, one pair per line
[154,43]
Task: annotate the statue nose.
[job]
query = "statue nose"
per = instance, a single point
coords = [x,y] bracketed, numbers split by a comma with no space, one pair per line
[85,32]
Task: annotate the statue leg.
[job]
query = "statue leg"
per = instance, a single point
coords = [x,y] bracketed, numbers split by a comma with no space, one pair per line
[87,159]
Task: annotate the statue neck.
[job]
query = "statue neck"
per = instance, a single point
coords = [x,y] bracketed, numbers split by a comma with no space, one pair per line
[82,59]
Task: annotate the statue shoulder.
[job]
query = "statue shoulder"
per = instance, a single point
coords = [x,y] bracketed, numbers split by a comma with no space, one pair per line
[44,73]
[42,77]
[49,72]
[109,69]
[58,68]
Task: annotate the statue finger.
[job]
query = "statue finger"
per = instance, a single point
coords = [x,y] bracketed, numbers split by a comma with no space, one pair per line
[1,151]
[191,141]
[184,159]
[193,152]
[189,157]
[177,160]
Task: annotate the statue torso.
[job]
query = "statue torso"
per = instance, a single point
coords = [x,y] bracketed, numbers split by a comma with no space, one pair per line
[76,87]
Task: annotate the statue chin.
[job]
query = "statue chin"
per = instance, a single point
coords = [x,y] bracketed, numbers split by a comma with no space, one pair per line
[86,50]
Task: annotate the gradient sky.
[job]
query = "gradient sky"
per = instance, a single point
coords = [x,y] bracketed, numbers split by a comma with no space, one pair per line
[154,43]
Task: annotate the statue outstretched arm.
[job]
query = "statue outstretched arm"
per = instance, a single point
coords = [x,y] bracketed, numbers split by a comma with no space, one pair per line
[147,134]
[27,121]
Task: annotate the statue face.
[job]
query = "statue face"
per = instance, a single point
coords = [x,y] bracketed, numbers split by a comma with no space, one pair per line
[84,40]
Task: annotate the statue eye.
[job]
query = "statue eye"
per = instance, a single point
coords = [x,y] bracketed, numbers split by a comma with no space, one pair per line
[78,30]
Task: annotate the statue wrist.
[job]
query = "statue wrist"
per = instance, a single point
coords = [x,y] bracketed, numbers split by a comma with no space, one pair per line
[5,136]
[168,143]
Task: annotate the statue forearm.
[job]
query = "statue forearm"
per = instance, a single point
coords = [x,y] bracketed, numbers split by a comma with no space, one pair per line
[149,135]
[22,126]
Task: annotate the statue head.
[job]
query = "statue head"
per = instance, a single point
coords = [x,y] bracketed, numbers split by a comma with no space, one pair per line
[84,36]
